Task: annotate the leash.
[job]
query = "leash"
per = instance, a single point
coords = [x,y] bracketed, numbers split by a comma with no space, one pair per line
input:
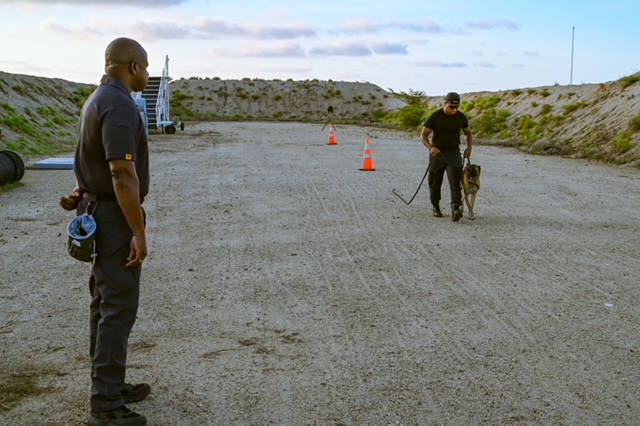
[419,186]
[422,181]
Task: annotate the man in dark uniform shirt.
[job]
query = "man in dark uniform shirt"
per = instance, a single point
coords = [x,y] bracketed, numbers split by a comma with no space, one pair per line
[112,172]
[446,124]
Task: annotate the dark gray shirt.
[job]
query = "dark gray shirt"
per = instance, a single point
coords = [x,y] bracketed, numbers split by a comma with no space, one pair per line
[110,129]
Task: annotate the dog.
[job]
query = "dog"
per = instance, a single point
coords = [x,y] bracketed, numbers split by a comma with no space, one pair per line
[470,184]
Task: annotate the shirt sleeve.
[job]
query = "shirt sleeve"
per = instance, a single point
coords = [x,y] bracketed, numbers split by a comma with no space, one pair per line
[119,129]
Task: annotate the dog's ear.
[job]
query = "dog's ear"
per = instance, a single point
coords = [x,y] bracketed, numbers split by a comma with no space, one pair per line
[479,168]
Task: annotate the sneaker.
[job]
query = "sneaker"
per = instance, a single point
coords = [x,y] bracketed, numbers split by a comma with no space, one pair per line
[456,212]
[135,393]
[436,211]
[121,416]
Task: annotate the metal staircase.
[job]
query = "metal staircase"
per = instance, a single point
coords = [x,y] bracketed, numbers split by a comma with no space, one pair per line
[154,103]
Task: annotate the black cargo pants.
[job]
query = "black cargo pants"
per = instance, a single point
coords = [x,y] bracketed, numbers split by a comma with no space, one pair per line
[451,163]
[115,293]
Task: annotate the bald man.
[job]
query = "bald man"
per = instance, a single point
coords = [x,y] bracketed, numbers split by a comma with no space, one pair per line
[112,173]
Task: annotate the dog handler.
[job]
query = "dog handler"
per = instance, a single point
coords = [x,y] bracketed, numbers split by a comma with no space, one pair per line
[445,124]
[112,168]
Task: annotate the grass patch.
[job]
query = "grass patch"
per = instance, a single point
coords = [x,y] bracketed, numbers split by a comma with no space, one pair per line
[569,108]
[629,80]
[491,122]
[622,142]
[634,123]
[16,387]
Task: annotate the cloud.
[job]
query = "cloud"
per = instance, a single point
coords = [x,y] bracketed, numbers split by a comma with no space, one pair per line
[490,25]
[82,33]
[196,29]
[342,48]
[437,64]
[220,27]
[89,3]
[390,49]
[273,51]
[364,26]
[531,53]
[486,65]
[418,27]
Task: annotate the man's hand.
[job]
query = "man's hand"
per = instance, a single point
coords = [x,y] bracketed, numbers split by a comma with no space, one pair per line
[138,251]
[70,202]
[467,153]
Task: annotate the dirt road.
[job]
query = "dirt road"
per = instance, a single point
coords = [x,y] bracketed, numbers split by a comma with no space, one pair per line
[285,286]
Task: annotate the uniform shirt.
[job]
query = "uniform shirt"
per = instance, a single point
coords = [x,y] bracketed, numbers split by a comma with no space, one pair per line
[110,129]
[446,129]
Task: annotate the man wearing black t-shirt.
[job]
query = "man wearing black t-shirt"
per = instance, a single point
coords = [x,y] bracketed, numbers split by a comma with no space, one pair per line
[446,124]
[112,173]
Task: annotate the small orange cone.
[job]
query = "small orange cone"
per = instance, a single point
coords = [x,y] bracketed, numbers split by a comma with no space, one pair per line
[367,161]
[332,135]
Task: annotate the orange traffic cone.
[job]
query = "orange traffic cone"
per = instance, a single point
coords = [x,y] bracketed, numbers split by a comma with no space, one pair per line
[367,161]
[332,135]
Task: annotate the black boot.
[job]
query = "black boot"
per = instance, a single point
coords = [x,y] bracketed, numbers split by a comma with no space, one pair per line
[436,210]
[456,212]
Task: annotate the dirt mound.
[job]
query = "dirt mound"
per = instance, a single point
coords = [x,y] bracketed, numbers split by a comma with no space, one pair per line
[38,116]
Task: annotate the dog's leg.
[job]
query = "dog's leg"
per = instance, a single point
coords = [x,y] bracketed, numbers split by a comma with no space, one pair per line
[470,204]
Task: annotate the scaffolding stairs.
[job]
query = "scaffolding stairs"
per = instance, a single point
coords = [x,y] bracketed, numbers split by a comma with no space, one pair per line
[154,103]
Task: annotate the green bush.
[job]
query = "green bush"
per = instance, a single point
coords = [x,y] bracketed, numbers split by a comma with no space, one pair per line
[482,104]
[629,80]
[622,142]
[527,128]
[408,117]
[569,108]
[634,123]
[491,122]
[546,109]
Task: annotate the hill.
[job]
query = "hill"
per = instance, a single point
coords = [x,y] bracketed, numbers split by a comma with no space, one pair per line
[38,116]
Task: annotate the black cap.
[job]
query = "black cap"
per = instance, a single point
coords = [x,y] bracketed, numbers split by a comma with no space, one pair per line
[452,98]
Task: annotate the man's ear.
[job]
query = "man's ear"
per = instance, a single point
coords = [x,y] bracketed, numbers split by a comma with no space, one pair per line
[133,67]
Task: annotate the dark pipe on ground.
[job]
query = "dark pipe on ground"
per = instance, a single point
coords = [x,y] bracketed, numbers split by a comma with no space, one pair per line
[11,167]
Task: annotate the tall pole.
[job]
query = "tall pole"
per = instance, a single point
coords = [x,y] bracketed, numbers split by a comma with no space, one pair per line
[573,32]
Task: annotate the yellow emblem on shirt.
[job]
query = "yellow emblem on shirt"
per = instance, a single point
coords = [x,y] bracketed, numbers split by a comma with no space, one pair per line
[128,157]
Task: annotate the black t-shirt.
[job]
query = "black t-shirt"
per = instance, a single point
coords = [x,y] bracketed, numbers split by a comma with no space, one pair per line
[110,129]
[446,129]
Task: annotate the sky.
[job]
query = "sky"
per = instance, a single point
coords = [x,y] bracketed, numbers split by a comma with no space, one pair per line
[399,45]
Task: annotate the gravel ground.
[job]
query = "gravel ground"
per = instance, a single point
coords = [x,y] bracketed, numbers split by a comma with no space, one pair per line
[285,286]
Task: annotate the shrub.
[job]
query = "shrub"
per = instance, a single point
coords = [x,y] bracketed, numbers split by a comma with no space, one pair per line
[569,108]
[527,128]
[546,109]
[629,80]
[79,96]
[622,142]
[545,93]
[634,123]
[482,104]
[490,123]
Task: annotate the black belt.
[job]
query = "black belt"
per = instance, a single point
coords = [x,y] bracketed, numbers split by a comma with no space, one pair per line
[100,197]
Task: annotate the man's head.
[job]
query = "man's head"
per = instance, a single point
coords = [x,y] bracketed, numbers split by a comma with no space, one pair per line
[127,60]
[452,102]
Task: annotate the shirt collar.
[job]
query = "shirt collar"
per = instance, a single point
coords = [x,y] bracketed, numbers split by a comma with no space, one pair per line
[115,82]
